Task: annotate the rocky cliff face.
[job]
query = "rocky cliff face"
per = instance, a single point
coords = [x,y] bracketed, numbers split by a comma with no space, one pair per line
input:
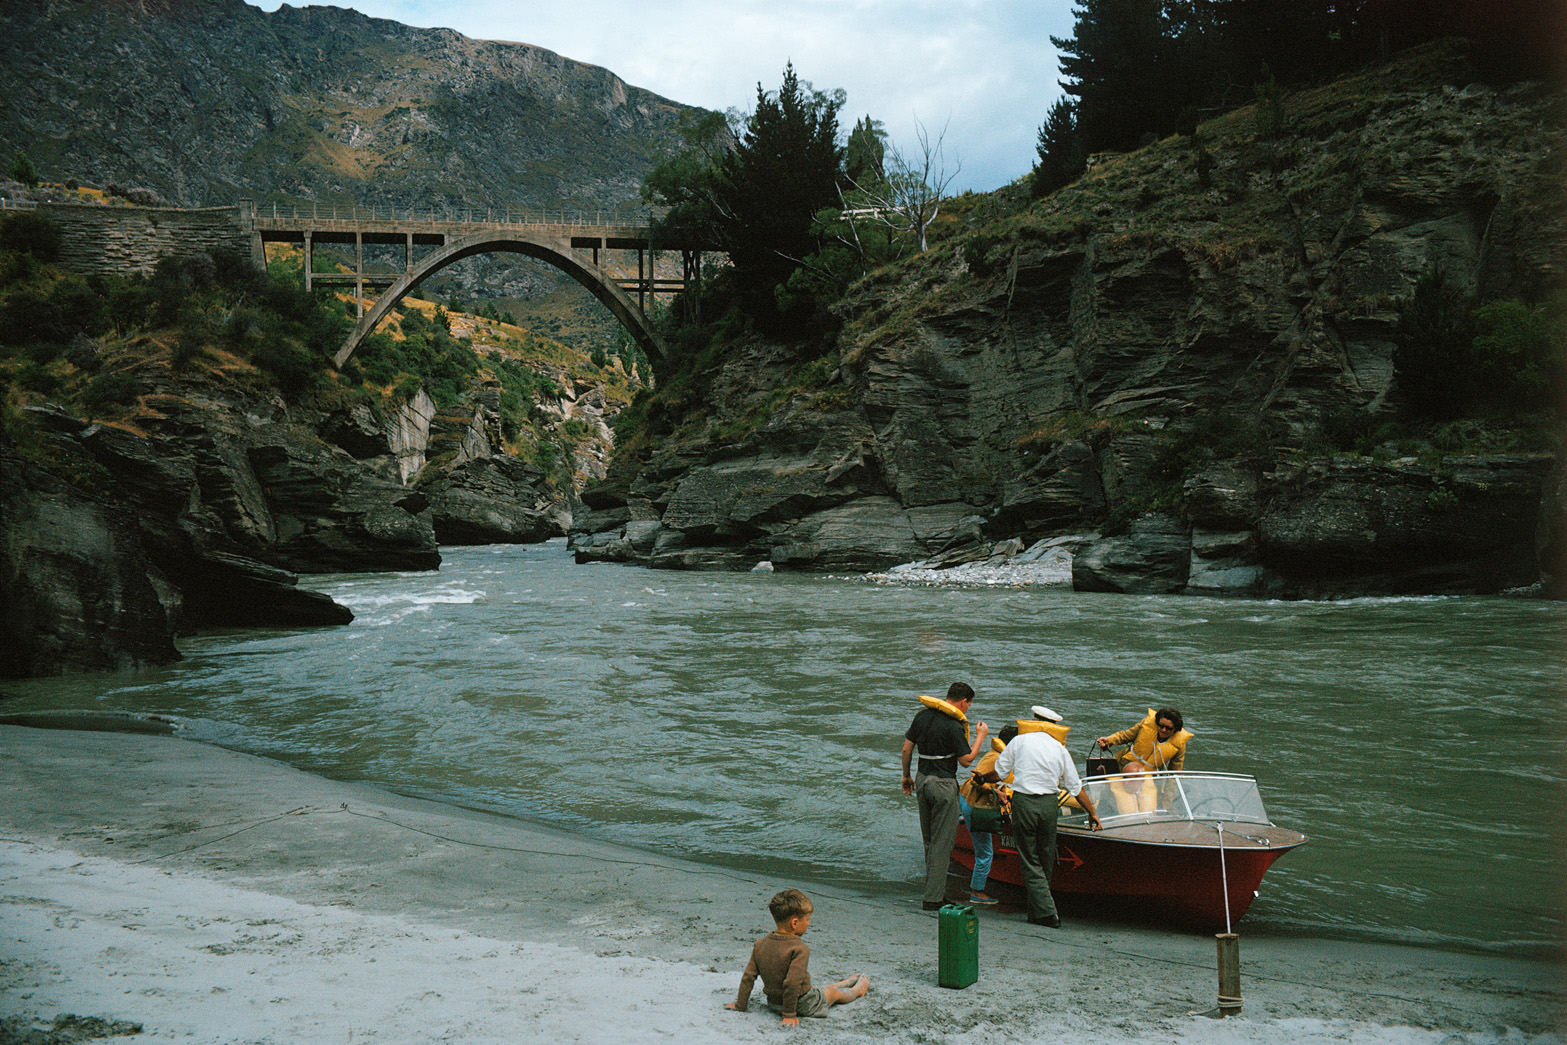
[201,508]
[80,594]
[1156,355]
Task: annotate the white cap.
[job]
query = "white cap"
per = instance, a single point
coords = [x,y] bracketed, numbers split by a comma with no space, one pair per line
[1040,711]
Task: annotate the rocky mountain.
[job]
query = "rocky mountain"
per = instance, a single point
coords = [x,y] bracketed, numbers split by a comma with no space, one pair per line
[1181,368]
[208,101]
[170,471]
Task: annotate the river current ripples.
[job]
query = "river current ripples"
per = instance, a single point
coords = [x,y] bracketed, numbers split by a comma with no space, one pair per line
[753,720]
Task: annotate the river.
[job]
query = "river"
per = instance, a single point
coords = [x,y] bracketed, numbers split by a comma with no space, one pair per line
[753,720]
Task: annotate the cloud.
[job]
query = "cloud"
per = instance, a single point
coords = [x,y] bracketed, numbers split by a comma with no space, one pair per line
[984,69]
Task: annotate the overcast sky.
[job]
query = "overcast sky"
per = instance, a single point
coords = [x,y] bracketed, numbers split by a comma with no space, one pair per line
[984,69]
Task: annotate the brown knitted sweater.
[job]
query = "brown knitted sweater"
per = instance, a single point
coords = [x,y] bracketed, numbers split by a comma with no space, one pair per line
[781,960]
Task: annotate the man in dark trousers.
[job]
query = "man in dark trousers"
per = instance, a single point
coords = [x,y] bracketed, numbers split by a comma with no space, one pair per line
[940,734]
[1041,769]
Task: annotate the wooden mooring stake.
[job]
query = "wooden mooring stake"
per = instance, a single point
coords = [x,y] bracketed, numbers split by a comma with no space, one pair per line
[1229,973]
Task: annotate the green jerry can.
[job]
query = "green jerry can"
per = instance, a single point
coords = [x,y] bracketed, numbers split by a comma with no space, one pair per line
[958,927]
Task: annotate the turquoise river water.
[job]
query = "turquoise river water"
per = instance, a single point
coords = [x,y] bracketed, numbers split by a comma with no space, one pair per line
[753,720]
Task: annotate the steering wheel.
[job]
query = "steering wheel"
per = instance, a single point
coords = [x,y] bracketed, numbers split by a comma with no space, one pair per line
[1210,808]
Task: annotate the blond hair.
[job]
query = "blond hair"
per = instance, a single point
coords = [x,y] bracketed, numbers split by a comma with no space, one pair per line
[791,903]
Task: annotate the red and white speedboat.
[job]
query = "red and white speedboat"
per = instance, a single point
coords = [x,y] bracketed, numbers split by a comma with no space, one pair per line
[1185,847]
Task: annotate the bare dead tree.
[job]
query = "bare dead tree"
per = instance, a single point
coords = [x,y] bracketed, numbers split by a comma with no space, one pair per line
[909,196]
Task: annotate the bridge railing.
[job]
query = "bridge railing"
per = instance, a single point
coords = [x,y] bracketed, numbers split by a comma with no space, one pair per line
[550,216]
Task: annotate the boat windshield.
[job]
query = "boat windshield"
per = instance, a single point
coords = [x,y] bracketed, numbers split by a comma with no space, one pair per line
[1146,797]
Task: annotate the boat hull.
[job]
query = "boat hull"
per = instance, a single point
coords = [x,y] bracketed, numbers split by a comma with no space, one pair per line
[1170,871]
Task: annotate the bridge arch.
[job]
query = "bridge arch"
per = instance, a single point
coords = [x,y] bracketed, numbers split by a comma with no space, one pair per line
[548,249]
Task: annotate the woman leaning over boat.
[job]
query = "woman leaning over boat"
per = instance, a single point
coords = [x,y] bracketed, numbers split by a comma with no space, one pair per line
[1158,742]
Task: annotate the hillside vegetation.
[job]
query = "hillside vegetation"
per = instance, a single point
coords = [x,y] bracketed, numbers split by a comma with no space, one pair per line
[97,347]
[1369,270]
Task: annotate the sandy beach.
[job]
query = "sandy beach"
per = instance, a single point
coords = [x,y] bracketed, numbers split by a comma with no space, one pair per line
[210,896]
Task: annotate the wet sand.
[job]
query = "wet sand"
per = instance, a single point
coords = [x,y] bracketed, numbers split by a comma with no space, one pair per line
[217,897]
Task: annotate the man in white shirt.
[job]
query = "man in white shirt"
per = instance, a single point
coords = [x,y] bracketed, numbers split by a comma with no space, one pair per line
[1041,768]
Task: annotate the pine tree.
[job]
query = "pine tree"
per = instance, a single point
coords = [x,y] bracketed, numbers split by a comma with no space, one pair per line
[1110,65]
[863,160]
[1061,157]
[785,168]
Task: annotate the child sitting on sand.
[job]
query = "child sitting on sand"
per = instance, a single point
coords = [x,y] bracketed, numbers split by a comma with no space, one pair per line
[780,959]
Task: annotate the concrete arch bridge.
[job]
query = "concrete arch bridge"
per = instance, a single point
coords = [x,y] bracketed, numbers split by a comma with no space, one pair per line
[573,246]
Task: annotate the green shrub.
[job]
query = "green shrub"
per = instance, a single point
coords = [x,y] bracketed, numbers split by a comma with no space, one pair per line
[187,347]
[45,352]
[39,378]
[1521,351]
[414,321]
[407,389]
[246,328]
[110,389]
[28,232]
[1451,361]
[1211,435]
[128,301]
[546,455]
[514,414]
[377,371]
[293,366]
[1165,497]
[22,170]
[1270,109]
[1346,427]
[27,315]
[1202,163]
[16,267]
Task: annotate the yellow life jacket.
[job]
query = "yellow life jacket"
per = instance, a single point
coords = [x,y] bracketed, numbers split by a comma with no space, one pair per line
[951,710]
[1147,749]
[1134,794]
[979,794]
[1033,725]
[1039,725]
[997,745]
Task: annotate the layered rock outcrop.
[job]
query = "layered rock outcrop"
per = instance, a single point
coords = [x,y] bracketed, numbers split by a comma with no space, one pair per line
[80,594]
[1163,352]
[495,500]
[202,509]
